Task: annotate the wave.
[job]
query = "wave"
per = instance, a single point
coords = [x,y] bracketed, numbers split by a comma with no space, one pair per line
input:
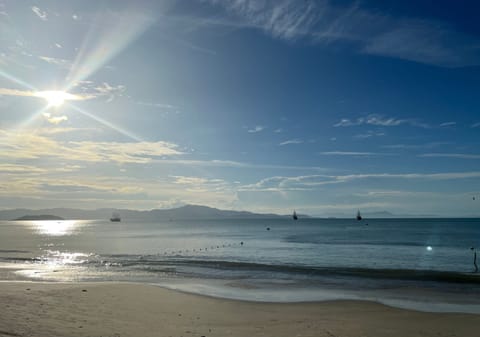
[169,264]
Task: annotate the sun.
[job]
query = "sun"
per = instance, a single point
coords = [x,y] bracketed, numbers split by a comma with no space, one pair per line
[55,98]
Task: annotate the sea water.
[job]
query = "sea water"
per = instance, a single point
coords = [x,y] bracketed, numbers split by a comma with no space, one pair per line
[425,264]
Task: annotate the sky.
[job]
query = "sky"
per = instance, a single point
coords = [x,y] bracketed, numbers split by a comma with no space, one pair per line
[325,107]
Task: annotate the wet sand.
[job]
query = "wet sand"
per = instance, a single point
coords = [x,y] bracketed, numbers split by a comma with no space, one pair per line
[120,309]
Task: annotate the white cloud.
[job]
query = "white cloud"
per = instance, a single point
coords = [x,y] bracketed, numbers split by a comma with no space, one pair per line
[282,18]
[109,91]
[351,153]
[291,141]
[41,14]
[368,31]
[30,145]
[476,125]
[416,146]
[379,120]
[235,164]
[200,183]
[56,61]
[256,129]
[369,134]
[17,168]
[425,41]
[43,94]
[448,124]
[54,119]
[308,182]
[451,155]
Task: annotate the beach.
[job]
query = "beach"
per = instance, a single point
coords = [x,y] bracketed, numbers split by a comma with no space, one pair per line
[128,309]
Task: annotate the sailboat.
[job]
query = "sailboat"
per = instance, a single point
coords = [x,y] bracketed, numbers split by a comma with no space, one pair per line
[359,217]
[115,217]
[294,216]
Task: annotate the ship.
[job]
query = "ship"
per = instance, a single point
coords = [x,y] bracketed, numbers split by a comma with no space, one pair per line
[115,217]
[359,217]
[294,216]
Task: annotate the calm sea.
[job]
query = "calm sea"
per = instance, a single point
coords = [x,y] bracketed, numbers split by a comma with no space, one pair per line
[425,264]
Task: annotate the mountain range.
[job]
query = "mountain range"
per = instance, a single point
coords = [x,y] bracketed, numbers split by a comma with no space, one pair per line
[187,212]
[181,213]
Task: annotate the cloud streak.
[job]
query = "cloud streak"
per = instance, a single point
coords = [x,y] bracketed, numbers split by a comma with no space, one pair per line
[41,14]
[379,120]
[28,145]
[256,129]
[351,153]
[42,94]
[311,182]
[450,155]
[291,141]
[368,31]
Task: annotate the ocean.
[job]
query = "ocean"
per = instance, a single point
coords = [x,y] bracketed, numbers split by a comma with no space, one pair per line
[422,264]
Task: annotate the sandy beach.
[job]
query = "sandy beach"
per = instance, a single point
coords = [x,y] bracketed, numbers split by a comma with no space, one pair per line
[121,309]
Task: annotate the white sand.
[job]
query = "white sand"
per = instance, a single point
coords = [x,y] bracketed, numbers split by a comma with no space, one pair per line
[114,309]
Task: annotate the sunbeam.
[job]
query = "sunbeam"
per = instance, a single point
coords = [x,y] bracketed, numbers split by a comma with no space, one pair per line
[106,123]
[17,80]
[112,33]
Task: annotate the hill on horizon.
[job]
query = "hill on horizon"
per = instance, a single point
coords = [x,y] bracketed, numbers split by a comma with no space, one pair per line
[186,212]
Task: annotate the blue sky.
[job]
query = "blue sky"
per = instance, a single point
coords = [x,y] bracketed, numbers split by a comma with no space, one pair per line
[326,107]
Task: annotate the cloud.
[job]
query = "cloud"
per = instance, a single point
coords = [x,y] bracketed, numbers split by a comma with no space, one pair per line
[446,124]
[427,42]
[54,119]
[41,14]
[42,94]
[349,153]
[199,183]
[234,164]
[379,120]
[308,182]
[89,91]
[475,125]
[256,129]
[369,134]
[284,19]
[366,30]
[450,155]
[167,108]
[16,92]
[30,145]
[59,62]
[17,168]
[291,141]
[279,130]
[109,91]
[416,146]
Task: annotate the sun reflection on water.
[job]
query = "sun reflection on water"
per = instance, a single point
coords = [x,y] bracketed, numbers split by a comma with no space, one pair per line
[56,265]
[56,228]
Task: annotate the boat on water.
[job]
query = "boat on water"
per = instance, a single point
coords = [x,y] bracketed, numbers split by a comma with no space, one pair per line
[294,216]
[359,216]
[115,217]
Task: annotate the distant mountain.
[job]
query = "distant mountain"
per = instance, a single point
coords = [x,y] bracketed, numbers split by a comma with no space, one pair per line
[188,212]
[38,217]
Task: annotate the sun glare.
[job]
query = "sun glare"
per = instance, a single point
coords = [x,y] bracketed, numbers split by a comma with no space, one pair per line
[55,98]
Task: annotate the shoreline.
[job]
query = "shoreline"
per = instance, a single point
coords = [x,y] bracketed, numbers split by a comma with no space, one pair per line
[128,309]
[411,296]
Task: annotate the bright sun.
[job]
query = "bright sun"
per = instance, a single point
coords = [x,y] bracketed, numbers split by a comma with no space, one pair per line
[55,98]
